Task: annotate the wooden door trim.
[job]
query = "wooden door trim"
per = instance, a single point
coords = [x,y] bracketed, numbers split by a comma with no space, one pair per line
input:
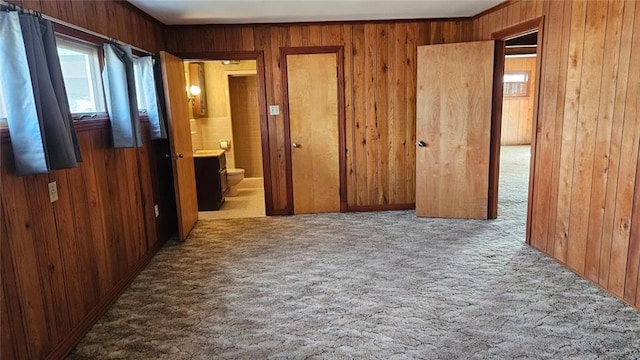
[496,128]
[339,51]
[258,56]
[505,34]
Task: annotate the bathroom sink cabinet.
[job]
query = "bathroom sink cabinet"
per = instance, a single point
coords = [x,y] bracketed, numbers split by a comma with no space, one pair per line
[211,181]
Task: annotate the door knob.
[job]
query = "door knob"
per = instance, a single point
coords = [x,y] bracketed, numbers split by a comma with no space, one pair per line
[177,156]
[296,145]
[421,143]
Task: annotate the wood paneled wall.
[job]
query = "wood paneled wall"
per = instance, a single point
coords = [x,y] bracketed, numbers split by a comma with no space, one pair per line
[64,263]
[517,112]
[588,134]
[380,92]
[116,19]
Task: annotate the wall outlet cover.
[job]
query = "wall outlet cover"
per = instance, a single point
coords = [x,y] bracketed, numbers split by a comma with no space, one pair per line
[53,191]
[274,110]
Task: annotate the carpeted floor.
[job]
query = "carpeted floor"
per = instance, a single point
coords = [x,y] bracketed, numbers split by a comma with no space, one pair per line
[368,286]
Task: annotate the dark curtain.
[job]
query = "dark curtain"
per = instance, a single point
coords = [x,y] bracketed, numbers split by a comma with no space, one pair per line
[122,105]
[40,123]
[52,104]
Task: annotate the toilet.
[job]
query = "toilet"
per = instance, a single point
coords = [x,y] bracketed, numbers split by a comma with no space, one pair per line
[234,176]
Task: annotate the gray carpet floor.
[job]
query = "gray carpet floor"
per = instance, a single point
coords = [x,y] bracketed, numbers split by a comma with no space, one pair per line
[381,285]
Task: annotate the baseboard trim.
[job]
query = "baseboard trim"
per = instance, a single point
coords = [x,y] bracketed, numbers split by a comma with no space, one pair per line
[385,207]
[279,212]
[76,334]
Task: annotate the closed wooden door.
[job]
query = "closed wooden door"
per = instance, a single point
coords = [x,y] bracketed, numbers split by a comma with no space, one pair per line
[453,129]
[313,126]
[180,140]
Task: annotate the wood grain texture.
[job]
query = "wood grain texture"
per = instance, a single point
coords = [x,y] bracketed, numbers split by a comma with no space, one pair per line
[313,124]
[587,157]
[454,120]
[63,263]
[59,260]
[180,139]
[380,92]
[517,112]
[117,19]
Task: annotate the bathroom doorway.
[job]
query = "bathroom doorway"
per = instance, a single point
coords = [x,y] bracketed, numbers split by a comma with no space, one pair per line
[226,137]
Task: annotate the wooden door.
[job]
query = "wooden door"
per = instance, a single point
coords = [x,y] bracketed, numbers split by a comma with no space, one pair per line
[453,129]
[180,140]
[313,126]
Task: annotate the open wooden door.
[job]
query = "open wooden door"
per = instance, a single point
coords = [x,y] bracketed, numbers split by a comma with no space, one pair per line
[180,140]
[453,130]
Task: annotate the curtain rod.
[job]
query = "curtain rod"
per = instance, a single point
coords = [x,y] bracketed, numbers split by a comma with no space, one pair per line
[64,23]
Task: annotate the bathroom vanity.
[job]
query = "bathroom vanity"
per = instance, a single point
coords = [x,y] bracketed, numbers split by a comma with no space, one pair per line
[211,178]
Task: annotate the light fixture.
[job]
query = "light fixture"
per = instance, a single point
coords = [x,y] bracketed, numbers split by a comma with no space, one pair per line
[230,62]
[193,91]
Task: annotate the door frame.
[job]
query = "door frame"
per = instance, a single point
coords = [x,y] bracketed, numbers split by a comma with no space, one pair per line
[342,147]
[258,56]
[501,36]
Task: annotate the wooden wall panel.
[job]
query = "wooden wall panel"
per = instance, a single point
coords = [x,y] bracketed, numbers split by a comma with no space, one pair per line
[117,19]
[380,92]
[60,260]
[64,263]
[517,112]
[583,211]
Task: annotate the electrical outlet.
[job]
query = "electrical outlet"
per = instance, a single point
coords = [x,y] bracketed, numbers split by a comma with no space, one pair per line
[53,192]
[156,209]
[274,110]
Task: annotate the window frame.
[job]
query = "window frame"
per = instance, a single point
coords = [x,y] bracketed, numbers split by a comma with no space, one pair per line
[100,94]
[84,121]
[508,95]
[73,34]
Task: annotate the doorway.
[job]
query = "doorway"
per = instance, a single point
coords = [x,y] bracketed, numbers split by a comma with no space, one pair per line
[519,84]
[314,129]
[226,138]
[514,134]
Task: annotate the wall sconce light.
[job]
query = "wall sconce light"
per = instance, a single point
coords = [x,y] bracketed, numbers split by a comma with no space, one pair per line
[193,91]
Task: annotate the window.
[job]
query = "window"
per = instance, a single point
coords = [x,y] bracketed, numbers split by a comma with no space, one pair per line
[516,84]
[81,73]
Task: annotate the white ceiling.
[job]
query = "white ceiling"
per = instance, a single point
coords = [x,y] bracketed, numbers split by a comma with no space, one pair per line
[174,12]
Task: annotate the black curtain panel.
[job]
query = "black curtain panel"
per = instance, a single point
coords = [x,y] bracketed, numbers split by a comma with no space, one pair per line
[52,106]
[120,90]
[38,115]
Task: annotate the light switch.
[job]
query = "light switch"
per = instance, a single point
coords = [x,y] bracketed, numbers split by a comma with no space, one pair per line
[274,110]
[53,192]
[156,210]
